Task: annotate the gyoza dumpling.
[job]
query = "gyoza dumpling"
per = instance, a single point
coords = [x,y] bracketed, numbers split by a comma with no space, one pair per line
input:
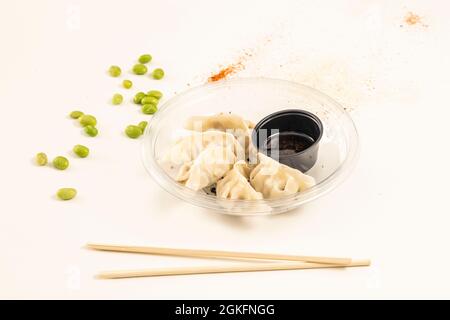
[200,159]
[189,147]
[211,165]
[227,122]
[274,179]
[221,121]
[235,184]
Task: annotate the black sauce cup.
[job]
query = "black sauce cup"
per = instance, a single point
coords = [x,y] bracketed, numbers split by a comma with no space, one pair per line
[290,137]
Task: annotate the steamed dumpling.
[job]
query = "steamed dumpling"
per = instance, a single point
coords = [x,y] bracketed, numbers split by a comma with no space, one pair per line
[211,165]
[200,159]
[274,179]
[235,184]
[226,122]
[221,121]
[189,147]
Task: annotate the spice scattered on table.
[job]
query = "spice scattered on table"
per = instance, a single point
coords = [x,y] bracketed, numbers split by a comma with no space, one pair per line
[234,67]
[414,19]
[225,72]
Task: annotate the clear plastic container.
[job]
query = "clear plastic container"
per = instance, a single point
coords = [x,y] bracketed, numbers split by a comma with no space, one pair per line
[253,99]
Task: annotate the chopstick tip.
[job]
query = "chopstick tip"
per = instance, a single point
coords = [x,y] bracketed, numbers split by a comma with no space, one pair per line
[88,246]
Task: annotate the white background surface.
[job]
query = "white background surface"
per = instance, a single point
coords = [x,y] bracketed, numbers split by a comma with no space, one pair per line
[393,78]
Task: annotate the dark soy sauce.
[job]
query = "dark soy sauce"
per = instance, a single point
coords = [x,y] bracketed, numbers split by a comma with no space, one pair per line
[288,143]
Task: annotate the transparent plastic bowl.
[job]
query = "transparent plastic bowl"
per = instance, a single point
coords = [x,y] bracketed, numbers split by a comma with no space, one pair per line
[253,99]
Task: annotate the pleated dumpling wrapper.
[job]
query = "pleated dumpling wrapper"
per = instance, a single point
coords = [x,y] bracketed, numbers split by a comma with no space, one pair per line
[226,122]
[220,121]
[274,179]
[211,165]
[200,159]
[235,185]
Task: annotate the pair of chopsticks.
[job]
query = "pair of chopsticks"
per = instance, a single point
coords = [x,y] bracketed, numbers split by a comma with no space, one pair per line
[277,261]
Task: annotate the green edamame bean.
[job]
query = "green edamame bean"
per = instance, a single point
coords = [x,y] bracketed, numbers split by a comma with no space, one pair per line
[158,74]
[91,131]
[149,108]
[114,71]
[66,193]
[133,131]
[41,159]
[149,100]
[139,69]
[138,97]
[142,125]
[87,120]
[145,58]
[61,163]
[155,93]
[127,84]
[117,99]
[76,114]
[81,151]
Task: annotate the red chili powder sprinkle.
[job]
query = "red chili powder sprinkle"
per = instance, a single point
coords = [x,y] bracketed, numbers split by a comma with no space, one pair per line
[225,72]
[238,65]
[412,19]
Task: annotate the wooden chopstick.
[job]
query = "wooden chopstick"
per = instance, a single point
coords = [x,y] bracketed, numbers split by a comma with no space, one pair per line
[247,267]
[218,254]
